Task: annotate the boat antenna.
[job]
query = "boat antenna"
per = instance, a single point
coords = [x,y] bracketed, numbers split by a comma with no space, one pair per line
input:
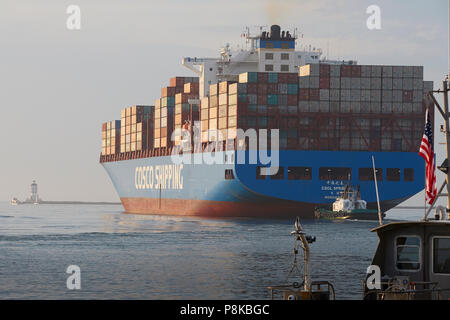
[380,217]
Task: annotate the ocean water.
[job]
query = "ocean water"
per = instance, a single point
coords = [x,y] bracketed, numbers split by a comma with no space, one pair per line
[123,256]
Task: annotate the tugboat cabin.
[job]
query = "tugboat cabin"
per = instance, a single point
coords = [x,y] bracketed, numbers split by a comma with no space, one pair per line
[414,261]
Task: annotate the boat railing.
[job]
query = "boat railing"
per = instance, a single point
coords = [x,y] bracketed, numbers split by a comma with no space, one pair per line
[416,290]
[317,291]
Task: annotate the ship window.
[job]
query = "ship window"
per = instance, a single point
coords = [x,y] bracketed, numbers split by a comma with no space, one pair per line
[409,174]
[279,175]
[299,173]
[269,56]
[284,67]
[327,173]
[441,255]
[393,174]
[269,67]
[366,174]
[285,56]
[259,175]
[229,175]
[408,253]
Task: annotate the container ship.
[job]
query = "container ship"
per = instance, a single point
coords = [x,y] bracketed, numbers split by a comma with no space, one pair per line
[328,117]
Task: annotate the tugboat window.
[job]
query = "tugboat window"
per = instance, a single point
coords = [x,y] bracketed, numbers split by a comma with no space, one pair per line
[299,173]
[408,253]
[340,174]
[366,174]
[409,174]
[441,255]
[393,174]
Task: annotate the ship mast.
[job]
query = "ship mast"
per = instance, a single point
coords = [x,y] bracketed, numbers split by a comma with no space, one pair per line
[445,114]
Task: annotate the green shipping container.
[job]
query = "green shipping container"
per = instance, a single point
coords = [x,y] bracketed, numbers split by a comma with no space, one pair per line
[292,88]
[272,99]
[273,77]
[251,108]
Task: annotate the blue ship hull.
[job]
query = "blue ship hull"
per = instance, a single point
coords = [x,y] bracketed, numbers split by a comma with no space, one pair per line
[156,185]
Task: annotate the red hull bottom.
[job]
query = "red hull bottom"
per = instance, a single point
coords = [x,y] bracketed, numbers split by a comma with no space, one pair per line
[219,209]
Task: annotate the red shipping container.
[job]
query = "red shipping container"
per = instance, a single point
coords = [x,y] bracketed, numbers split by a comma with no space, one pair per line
[282,122]
[104,125]
[346,71]
[177,82]
[262,99]
[262,89]
[314,95]
[282,77]
[292,99]
[263,77]
[356,71]
[324,82]
[324,70]
[303,94]
[292,122]
[242,108]
[168,92]
[407,96]
[272,88]
[252,88]
[292,78]
[273,112]
[292,143]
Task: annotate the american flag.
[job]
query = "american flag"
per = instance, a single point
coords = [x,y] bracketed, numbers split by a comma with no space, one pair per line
[426,152]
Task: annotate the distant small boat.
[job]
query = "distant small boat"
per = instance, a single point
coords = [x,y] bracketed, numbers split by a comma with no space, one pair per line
[15,202]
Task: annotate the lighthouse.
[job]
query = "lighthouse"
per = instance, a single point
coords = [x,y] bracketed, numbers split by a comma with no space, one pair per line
[34,197]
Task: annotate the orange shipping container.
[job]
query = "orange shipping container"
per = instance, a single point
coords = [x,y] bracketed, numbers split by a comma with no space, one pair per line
[212,113]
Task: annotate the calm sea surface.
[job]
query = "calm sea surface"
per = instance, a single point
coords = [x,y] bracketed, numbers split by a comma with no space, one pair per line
[124,256]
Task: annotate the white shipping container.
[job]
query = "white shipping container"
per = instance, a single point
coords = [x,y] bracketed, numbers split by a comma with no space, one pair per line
[375,95]
[387,72]
[324,94]
[375,107]
[387,84]
[386,107]
[346,83]
[376,71]
[375,83]
[397,107]
[324,106]
[366,71]
[355,107]
[355,83]
[335,94]
[417,96]
[303,106]
[397,96]
[365,83]
[335,70]
[418,72]
[303,82]
[345,95]
[417,107]
[397,83]
[334,106]
[407,72]
[417,84]
[355,95]
[386,96]
[335,83]
[345,106]
[314,82]
[407,107]
[397,71]
[313,106]
[407,83]
[365,107]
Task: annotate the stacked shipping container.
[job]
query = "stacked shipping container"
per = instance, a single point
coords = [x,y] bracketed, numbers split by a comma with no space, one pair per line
[110,137]
[186,109]
[136,123]
[164,118]
[361,107]
[324,107]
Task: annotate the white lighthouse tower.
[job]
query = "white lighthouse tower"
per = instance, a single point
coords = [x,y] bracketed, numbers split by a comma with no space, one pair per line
[34,197]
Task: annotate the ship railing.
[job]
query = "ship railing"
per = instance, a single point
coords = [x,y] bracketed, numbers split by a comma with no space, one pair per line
[417,290]
[317,287]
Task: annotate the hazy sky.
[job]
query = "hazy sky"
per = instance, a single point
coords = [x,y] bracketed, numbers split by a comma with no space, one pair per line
[57,86]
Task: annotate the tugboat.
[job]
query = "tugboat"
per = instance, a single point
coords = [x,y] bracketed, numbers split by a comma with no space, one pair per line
[348,205]
[308,289]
